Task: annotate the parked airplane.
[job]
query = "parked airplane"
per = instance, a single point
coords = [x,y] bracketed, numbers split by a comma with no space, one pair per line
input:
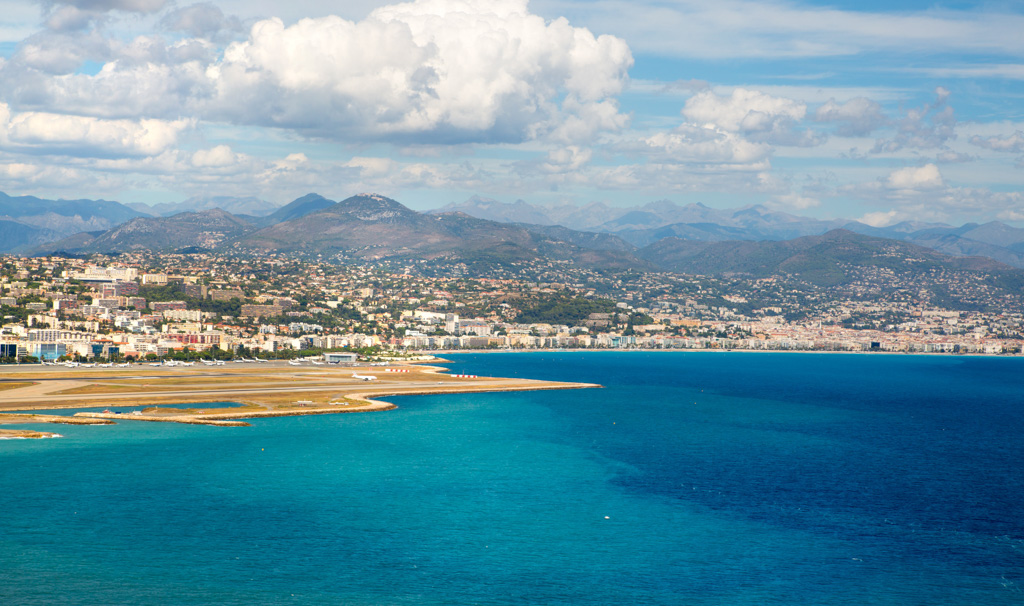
[294,363]
[356,375]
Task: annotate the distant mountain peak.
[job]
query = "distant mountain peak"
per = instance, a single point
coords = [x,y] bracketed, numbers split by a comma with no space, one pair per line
[300,207]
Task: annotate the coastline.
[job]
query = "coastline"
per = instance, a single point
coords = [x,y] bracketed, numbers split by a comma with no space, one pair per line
[723,351]
[259,392]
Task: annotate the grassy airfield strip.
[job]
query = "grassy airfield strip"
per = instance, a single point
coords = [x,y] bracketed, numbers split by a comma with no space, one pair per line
[263,390]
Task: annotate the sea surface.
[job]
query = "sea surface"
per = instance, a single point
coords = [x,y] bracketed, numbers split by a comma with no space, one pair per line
[690,478]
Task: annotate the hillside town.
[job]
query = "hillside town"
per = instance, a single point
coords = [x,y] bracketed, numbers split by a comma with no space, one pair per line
[136,307]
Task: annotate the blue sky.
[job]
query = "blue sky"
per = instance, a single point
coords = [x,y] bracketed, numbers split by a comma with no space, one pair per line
[882,111]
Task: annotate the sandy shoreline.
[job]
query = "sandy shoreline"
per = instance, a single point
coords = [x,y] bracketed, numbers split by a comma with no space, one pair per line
[260,391]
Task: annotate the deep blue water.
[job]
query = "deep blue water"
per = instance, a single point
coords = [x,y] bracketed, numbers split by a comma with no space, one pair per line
[691,478]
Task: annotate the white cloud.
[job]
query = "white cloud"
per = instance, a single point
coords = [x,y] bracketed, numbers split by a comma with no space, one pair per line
[566,159]
[35,177]
[921,194]
[915,178]
[857,117]
[759,116]
[217,157]
[743,111]
[55,53]
[372,167]
[87,136]
[705,145]
[883,218]
[72,15]
[431,71]
[449,70]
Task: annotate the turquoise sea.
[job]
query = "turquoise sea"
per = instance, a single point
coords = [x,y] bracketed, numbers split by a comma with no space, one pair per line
[691,478]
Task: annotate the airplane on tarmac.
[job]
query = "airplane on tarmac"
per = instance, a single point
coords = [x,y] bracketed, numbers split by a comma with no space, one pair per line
[356,375]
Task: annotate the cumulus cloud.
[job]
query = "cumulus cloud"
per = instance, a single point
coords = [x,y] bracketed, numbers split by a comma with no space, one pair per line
[566,159]
[744,110]
[924,177]
[757,115]
[217,157]
[915,178]
[857,117]
[441,72]
[921,193]
[1011,143]
[451,69]
[87,136]
[705,145]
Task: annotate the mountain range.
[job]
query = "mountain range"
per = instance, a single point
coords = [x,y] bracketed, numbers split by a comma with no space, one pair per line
[694,239]
[651,222]
[248,206]
[27,220]
[367,226]
[371,227]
